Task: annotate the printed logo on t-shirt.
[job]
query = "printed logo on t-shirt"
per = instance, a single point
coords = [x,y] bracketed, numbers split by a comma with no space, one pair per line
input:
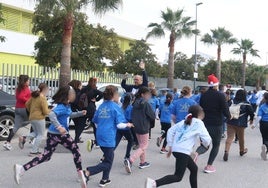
[134,91]
[104,113]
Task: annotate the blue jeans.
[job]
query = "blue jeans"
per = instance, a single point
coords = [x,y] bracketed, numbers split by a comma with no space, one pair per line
[106,164]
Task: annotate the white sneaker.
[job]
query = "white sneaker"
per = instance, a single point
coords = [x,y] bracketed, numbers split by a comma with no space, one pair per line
[150,183]
[18,172]
[264,152]
[82,179]
[7,146]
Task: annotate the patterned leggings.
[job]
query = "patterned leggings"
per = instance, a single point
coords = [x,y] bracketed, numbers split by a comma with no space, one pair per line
[52,141]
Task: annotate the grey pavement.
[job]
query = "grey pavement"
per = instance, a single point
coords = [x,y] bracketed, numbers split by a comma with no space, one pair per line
[239,172]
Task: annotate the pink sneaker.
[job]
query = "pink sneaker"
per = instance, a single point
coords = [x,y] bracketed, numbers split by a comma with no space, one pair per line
[209,169]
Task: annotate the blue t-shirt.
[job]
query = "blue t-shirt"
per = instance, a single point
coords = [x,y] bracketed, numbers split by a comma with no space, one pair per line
[107,117]
[165,115]
[162,100]
[63,113]
[196,98]
[154,102]
[176,96]
[181,107]
[128,112]
[253,99]
[263,112]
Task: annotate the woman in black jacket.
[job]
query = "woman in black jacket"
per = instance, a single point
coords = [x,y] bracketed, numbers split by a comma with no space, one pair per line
[237,126]
[93,95]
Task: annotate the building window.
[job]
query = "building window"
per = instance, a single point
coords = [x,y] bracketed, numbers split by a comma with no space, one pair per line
[16,20]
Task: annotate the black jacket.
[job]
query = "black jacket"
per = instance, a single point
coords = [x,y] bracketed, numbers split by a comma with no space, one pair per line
[245,111]
[215,106]
[91,94]
[129,88]
[142,115]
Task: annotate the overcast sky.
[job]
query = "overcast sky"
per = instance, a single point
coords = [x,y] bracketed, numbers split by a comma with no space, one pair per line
[244,18]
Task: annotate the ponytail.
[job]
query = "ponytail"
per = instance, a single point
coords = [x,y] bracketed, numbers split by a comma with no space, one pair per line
[265,97]
[188,119]
[193,112]
[37,92]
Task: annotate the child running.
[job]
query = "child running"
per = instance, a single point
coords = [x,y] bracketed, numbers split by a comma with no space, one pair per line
[23,94]
[108,118]
[127,108]
[142,115]
[154,102]
[38,108]
[262,118]
[165,120]
[181,139]
[58,133]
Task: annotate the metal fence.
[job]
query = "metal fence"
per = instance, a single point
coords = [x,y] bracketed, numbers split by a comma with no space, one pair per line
[9,74]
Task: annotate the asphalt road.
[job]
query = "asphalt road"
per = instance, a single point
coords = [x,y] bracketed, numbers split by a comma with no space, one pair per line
[239,172]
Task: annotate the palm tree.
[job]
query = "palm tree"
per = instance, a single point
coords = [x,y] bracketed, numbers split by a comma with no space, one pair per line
[219,37]
[178,27]
[68,9]
[245,47]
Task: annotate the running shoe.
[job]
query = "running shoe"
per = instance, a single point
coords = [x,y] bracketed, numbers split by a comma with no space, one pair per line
[34,154]
[22,140]
[18,172]
[243,152]
[144,165]
[128,165]
[150,183]
[163,151]
[158,141]
[103,183]
[82,179]
[264,152]
[90,145]
[209,169]
[7,146]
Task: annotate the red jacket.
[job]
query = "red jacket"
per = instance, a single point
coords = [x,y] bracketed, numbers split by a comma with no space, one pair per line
[22,97]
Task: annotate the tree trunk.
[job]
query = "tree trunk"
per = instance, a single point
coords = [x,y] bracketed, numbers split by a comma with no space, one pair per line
[65,63]
[244,70]
[171,45]
[219,63]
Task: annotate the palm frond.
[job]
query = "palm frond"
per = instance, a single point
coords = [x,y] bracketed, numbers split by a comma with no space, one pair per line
[157,32]
[207,39]
[102,6]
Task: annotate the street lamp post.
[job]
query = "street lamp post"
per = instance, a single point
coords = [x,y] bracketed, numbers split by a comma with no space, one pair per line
[195,47]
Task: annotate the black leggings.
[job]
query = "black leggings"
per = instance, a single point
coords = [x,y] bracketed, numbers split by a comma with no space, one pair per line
[79,126]
[183,161]
[134,136]
[52,141]
[264,132]
[215,133]
[165,127]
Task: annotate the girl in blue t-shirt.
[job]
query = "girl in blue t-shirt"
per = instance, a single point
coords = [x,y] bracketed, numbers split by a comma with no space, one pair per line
[165,119]
[127,109]
[154,102]
[181,106]
[58,133]
[109,117]
[263,120]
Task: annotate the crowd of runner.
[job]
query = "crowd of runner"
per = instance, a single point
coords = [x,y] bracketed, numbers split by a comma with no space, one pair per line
[188,121]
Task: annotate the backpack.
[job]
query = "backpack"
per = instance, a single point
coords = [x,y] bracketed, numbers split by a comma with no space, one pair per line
[83,101]
[235,110]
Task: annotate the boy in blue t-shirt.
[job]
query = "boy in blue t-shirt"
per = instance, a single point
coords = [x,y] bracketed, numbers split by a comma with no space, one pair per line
[154,102]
